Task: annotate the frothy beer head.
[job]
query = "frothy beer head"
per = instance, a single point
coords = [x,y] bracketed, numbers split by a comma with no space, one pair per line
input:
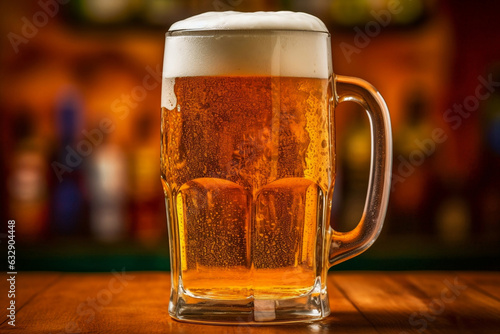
[248,44]
[250,21]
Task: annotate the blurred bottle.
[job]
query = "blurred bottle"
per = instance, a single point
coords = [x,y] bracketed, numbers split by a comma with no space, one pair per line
[107,182]
[67,199]
[453,216]
[27,186]
[487,199]
[147,222]
[409,209]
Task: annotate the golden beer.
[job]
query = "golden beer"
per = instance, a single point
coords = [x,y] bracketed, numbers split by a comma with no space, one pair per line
[246,165]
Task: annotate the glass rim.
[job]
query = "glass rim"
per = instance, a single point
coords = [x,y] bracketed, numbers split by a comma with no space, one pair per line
[208,32]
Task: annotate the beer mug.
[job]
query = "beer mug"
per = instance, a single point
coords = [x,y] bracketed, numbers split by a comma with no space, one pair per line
[248,166]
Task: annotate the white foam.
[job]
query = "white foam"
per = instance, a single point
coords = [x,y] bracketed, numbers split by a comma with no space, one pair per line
[258,20]
[245,45]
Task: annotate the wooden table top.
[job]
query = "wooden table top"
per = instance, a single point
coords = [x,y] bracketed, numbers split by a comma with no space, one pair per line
[361,302]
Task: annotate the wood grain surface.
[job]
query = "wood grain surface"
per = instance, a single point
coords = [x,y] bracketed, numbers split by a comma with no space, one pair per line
[361,302]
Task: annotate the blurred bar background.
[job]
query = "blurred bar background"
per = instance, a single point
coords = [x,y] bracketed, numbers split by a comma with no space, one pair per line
[80,128]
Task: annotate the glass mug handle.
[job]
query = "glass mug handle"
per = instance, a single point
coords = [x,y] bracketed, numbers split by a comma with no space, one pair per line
[346,245]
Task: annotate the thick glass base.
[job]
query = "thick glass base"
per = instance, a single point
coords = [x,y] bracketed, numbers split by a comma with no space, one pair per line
[250,311]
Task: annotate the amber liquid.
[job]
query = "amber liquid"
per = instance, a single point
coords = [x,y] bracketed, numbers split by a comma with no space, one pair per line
[246,166]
